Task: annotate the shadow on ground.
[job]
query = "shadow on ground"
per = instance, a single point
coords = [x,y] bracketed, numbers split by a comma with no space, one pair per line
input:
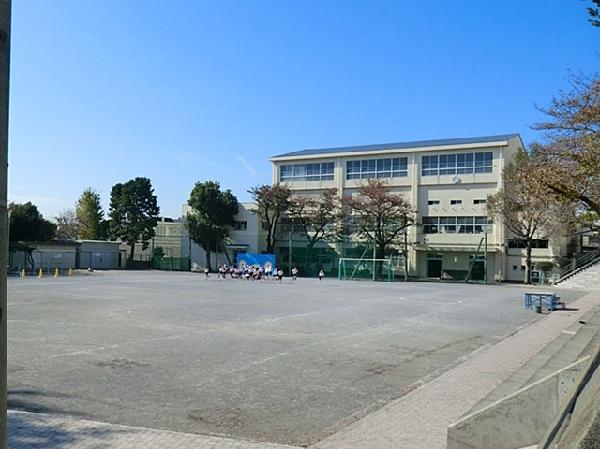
[44,427]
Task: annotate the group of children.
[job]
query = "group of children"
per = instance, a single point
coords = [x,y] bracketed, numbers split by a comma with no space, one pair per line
[255,273]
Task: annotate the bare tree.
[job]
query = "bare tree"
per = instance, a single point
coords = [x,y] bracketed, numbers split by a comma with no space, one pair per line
[525,207]
[67,224]
[317,216]
[569,159]
[272,202]
[379,214]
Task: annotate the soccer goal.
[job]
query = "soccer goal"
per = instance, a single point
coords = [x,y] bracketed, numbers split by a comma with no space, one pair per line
[365,269]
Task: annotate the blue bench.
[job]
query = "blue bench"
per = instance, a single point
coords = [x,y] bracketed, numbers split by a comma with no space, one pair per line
[539,299]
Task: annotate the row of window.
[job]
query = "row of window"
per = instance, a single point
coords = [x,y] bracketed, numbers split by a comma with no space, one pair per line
[456,164]
[307,172]
[454,225]
[535,243]
[377,168]
[455,202]
[444,164]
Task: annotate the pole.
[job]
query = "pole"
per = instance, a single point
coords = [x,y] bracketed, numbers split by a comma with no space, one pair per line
[485,274]
[405,255]
[5,7]
[290,252]
[374,255]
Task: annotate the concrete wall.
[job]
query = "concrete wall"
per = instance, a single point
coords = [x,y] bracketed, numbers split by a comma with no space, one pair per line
[520,419]
[98,255]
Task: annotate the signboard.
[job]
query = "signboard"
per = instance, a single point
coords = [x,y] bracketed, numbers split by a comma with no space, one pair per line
[252,259]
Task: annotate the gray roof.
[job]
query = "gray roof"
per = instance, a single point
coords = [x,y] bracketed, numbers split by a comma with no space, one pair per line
[401,145]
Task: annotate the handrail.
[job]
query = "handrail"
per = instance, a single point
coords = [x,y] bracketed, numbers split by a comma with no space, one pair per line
[580,263]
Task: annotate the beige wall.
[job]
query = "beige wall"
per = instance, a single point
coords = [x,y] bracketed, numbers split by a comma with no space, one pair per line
[418,189]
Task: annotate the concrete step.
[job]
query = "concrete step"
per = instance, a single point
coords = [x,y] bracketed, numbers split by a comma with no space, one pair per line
[568,354]
[560,352]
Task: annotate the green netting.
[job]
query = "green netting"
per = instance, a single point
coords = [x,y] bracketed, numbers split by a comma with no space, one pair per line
[365,269]
[171,263]
[326,255]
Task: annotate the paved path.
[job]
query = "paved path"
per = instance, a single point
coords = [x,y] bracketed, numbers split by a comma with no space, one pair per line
[415,421]
[419,420]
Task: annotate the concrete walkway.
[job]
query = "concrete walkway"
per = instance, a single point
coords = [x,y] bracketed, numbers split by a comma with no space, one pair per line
[419,420]
[415,421]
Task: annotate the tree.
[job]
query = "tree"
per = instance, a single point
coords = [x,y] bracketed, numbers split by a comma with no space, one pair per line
[28,225]
[317,216]
[594,13]
[212,213]
[90,215]
[524,206]
[68,226]
[272,202]
[379,214]
[569,159]
[133,212]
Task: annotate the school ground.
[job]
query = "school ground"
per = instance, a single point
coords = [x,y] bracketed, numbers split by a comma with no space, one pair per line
[289,363]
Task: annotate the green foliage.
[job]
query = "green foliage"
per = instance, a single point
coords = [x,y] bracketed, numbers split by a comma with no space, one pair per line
[133,212]
[89,215]
[158,252]
[212,213]
[28,225]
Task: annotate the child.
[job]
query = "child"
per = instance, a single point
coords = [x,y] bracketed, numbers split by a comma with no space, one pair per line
[321,275]
[280,275]
[206,274]
[294,273]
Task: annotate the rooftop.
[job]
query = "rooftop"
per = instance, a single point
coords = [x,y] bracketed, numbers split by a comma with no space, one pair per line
[401,145]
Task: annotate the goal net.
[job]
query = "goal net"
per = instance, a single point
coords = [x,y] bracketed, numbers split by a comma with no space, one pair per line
[365,269]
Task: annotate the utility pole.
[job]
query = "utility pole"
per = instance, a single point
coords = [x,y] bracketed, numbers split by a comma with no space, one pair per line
[290,251]
[405,255]
[5,7]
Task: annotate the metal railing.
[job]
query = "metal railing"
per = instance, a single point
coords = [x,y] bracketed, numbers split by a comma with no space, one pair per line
[581,262]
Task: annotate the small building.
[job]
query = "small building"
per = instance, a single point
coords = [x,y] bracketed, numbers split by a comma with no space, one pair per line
[53,254]
[99,255]
[246,235]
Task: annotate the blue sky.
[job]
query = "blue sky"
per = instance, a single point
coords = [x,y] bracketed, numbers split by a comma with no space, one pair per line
[185,91]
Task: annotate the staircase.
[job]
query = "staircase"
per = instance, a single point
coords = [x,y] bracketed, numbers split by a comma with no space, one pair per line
[584,274]
[522,395]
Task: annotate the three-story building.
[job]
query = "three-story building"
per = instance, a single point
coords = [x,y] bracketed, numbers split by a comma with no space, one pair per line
[447,181]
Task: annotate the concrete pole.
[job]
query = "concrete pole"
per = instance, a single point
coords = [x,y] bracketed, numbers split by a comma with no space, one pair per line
[5,7]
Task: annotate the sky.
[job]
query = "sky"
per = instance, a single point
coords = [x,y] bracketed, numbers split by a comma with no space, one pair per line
[185,91]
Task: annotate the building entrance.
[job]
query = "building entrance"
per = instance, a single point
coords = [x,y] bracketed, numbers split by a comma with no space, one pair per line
[434,267]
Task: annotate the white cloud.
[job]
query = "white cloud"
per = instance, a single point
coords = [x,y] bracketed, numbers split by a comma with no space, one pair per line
[250,169]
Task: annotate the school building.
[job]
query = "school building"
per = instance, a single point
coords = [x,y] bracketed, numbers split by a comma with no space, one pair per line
[447,181]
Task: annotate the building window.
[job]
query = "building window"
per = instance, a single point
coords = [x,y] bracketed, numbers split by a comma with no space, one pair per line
[521,243]
[456,164]
[515,268]
[433,202]
[454,225]
[377,168]
[455,202]
[480,201]
[240,225]
[430,225]
[306,172]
